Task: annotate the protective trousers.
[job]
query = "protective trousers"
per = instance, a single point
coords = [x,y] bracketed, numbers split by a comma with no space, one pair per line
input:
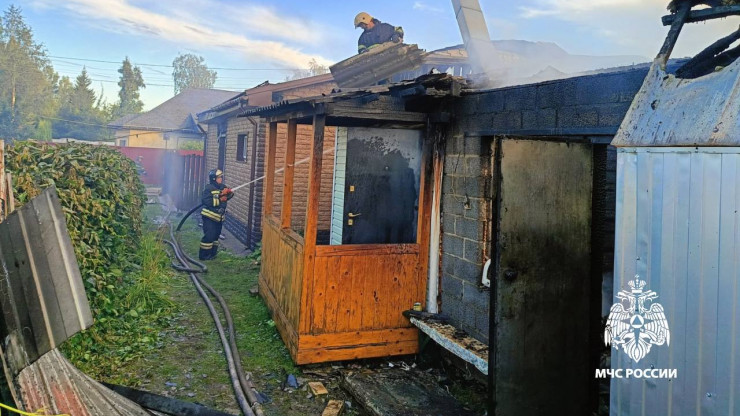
[209,242]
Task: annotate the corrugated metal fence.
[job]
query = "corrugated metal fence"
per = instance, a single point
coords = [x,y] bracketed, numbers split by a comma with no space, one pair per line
[678,229]
[185,179]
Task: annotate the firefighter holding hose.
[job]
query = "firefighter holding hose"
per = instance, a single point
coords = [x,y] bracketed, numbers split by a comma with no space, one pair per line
[214,199]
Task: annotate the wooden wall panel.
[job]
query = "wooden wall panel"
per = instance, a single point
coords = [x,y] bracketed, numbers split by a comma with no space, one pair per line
[364,293]
[282,268]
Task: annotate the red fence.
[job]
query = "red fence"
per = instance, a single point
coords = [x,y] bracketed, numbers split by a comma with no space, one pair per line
[153,162]
[180,173]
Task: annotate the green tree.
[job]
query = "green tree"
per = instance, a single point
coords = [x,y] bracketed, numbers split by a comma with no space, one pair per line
[131,82]
[192,72]
[83,97]
[81,115]
[26,80]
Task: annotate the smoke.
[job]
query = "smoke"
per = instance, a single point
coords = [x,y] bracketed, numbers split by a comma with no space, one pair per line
[516,62]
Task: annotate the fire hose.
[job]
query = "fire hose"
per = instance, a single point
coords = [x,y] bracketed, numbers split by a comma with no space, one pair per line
[246,393]
[244,389]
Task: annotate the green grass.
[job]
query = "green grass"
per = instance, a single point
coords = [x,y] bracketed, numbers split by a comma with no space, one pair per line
[141,308]
[190,355]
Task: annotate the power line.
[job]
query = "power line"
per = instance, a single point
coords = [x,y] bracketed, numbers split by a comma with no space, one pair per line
[172,66]
[157,130]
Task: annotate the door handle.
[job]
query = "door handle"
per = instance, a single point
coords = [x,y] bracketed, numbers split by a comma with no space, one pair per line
[351,215]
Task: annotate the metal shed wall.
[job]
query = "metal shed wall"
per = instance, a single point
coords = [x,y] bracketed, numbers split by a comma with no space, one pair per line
[677,226]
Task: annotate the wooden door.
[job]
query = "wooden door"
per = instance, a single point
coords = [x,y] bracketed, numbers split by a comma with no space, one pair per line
[541,289]
[382,186]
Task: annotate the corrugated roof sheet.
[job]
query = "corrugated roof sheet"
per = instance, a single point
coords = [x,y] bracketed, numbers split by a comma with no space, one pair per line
[41,291]
[669,111]
[58,387]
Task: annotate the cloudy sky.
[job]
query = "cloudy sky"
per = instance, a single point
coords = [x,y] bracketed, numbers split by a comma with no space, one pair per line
[253,41]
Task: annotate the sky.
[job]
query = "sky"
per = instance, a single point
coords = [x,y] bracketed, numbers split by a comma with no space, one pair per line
[249,42]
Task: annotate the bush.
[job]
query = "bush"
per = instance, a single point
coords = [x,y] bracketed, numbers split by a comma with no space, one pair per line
[125,272]
[102,198]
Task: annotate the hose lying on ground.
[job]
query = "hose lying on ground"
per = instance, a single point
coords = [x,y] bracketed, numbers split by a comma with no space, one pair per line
[244,389]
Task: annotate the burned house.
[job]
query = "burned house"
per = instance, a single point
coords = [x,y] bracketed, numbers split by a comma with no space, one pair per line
[236,145]
[502,174]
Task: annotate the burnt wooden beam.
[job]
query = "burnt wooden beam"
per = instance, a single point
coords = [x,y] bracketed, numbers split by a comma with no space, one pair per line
[676,26]
[704,14]
[287,210]
[355,122]
[270,168]
[380,114]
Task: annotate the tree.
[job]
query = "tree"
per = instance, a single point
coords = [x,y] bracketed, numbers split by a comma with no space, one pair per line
[82,99]
[81,114]
[314,68]
[131,81]
[191,72]
[26,80]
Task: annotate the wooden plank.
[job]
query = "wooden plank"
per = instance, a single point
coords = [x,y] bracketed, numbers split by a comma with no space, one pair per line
[285,329]
[370,285]
[356,298]
[672,36]
[355,338]
[381,294]
[397,287]
[312,216]
[345,283]
[317,388]
[406,292]
[339,271]
[705,14]
[425,226]
[379,115]
[333,408]
[367,249]
[288,174]
[318,315]
[282,269]
[356,353]
[270,169]
[467,348]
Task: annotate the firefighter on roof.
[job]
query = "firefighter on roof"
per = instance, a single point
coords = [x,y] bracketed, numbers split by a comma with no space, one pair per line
[214,199]
[375,32]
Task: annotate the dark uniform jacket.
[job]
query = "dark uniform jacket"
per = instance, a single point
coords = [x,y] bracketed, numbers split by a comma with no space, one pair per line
[380,33]
[213,207]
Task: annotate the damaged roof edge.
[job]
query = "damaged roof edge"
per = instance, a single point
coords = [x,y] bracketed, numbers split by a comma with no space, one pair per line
[670,111]
[431,86]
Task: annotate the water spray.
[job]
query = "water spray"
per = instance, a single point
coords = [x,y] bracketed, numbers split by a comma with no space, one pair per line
[195,208]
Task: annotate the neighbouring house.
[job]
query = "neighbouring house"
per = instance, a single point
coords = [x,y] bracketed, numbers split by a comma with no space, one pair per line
[236,145]
[170,125]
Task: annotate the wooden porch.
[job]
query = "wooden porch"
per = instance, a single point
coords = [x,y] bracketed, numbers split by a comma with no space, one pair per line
[341,301]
